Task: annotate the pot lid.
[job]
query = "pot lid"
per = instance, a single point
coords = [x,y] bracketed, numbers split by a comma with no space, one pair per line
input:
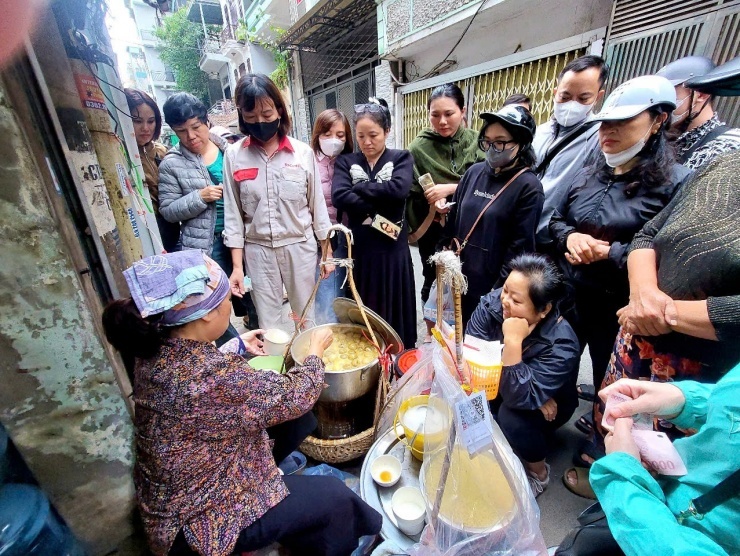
[348,312]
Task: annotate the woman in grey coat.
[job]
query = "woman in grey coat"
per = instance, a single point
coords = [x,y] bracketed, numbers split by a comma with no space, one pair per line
[191,186]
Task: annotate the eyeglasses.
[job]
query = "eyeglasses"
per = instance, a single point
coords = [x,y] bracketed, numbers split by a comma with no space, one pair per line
[498,146]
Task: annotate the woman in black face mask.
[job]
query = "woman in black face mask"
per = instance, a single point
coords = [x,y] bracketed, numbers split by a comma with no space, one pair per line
[273,203]
[497,204]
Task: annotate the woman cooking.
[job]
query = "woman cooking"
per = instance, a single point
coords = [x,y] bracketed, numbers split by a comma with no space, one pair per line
[206,474]
[371,187]
[537,393]
[497,204]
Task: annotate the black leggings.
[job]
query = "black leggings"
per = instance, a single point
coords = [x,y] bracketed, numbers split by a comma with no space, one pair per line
[320,516]
[528,431]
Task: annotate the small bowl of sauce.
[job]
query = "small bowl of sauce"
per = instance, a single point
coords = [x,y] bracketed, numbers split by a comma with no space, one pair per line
[386,470]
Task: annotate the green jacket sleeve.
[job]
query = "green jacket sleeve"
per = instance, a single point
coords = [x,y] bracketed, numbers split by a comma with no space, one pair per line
[637,512]
[694,413]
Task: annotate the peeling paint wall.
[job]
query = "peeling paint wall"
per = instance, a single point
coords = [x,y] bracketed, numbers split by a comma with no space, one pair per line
[59,399]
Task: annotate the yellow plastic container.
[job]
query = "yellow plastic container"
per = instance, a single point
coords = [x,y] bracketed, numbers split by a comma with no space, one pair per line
[435,429]
[483,375]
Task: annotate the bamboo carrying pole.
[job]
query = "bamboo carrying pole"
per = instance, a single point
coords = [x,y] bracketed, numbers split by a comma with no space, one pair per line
[383,380]
[449,270]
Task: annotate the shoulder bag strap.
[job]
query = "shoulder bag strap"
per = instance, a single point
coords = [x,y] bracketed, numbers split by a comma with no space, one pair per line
[564,142]
[727,489]
[461,246]
[711,136]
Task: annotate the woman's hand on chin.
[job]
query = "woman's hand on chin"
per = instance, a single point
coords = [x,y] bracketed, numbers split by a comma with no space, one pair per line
[515,329]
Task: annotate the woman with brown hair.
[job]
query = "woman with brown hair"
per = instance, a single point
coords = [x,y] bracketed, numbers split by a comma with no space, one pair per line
[273,204]
[332,136]
[147,120]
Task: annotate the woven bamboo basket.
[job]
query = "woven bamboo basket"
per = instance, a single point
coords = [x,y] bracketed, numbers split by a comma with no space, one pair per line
[345,449]
[338,451]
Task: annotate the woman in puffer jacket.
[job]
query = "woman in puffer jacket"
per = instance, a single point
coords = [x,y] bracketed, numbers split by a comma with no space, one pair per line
[191,188]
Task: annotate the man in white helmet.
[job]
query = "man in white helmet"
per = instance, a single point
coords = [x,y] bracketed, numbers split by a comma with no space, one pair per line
[701,134]
[569,141]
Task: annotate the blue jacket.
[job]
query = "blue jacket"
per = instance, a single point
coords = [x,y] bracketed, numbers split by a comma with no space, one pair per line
[550,356]
[641,510]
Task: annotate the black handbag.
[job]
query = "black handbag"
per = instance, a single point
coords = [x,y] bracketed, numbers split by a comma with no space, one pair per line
[592,537]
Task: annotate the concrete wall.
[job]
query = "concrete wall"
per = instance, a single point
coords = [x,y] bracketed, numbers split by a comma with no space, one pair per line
[59,399]
[423,32]
[384,89]
[263,61]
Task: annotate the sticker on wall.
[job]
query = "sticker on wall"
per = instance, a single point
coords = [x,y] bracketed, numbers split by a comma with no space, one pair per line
[122,179]
[96,194]
[132,218]
[90,93]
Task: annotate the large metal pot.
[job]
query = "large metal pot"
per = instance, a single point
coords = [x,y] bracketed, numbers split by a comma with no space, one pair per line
[350,384]
[345,385]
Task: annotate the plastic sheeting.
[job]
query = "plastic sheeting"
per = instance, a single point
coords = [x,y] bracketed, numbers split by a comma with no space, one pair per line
[487,507]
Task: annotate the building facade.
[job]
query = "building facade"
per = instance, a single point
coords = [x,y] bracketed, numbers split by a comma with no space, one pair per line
[160,77]
[490,49]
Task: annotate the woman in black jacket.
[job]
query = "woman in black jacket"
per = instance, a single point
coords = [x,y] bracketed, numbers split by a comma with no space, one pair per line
[537,392]
[608,204]
[499,201]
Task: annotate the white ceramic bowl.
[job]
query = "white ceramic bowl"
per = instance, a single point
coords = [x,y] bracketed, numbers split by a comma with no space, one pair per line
[389,464]
[275,341]
[409,509]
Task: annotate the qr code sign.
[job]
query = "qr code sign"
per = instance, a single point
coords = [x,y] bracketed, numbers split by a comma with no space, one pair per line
[474,424]
[474,411]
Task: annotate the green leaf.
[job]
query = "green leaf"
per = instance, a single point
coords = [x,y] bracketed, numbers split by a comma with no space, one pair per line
[179,39]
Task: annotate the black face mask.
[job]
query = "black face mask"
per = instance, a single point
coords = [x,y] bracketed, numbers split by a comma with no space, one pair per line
[263,131]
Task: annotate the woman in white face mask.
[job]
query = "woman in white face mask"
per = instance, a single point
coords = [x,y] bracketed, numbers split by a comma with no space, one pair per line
[608,204]
[331,136]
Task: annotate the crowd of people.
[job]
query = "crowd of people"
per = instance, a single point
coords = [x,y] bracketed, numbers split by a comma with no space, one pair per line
[616,231]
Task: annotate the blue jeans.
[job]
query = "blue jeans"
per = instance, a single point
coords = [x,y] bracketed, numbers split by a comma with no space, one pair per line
[331,288]
[243,307]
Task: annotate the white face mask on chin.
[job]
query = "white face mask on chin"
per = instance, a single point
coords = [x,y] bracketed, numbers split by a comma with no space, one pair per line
[622,157]
[331,146]
[571,112]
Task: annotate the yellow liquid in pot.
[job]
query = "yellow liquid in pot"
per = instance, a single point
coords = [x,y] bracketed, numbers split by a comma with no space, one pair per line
[349,350]
[477,494]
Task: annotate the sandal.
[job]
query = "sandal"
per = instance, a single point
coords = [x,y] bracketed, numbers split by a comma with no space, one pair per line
[585,423]
[583,486]
[588,448]
[586,392]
